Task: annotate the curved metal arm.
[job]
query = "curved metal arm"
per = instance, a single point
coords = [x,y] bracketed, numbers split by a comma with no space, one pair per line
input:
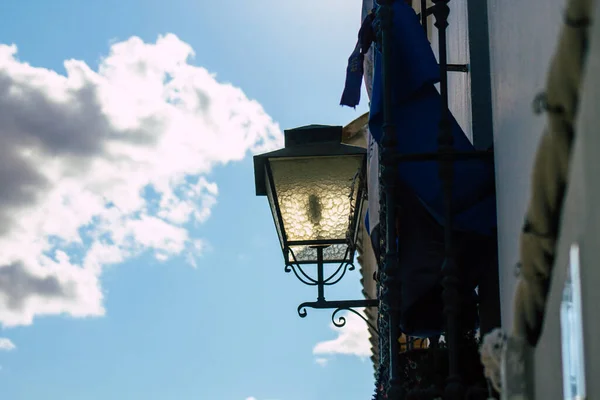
[341,321]
[308,280]
[302,310]
[305,278]
[338,305]
[346,267]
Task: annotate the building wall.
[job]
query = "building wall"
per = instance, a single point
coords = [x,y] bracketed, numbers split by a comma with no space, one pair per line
[522,39]
[459,83]
[581,226]
[522,36]
[589,234]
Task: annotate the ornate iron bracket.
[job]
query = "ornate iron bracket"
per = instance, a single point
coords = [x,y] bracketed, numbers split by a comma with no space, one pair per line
[308,280]
[338,306]
[320,282]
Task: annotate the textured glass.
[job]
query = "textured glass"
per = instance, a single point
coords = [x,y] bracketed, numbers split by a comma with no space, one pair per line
[316,195]
[336,252]
[273,209]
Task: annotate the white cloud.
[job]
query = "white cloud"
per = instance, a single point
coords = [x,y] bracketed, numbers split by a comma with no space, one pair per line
[7,344]
[251,398]
[321,361]
[353,339]
[99,166]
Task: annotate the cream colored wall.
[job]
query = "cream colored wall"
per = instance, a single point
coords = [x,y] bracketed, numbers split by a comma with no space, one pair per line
[459,83]
[581,226]
[522,39]
[522,36]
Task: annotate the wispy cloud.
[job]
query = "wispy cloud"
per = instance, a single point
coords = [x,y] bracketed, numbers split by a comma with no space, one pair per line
[251,398]
[322,361]
[7,344]
[99,166]
[352,339]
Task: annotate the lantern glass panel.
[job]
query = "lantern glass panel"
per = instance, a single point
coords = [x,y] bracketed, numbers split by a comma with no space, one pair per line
[316,196]
[308,254]
[272,203]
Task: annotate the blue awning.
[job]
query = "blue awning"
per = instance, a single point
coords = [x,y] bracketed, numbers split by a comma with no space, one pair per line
[417,111]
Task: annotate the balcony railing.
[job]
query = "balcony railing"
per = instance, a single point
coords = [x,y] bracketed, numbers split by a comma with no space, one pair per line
[411,370]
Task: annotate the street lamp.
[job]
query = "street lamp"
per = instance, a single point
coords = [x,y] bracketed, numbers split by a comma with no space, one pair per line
[315,187]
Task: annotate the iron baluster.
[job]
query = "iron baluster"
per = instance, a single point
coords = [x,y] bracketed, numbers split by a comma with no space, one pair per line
[388,178]
[320,279]
[423,16]
[454,388]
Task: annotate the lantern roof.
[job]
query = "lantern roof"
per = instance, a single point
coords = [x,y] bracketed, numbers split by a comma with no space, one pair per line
[305,141]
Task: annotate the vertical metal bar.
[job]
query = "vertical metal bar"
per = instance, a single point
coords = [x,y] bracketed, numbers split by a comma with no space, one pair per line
[441,12]
[320,276]
[479,67]
[388,178]
[454,388]
[483,138]
[424,15]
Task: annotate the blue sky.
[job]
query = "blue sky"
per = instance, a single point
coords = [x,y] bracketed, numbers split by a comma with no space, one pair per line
[136,262]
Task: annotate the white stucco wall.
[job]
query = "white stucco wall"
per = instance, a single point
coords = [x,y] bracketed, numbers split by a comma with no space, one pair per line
[523,34]
[459,83]
[589,230]
[522,37]
[581,226]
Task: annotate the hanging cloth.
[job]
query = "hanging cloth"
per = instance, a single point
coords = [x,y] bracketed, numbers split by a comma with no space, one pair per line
[416,106]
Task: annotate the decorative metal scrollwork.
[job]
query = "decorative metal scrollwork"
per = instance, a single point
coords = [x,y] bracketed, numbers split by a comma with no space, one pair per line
[320,282]
[339,305]
[302,310]
[302,276]
[310,281]
[341,320]
[346,267]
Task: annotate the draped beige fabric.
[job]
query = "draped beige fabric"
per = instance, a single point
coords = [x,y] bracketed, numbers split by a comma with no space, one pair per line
[549,177]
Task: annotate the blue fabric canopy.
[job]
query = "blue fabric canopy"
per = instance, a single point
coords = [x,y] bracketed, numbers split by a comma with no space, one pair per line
[416,107]
[417,110]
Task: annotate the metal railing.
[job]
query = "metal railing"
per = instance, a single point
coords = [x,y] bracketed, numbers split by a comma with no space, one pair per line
[389,385]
